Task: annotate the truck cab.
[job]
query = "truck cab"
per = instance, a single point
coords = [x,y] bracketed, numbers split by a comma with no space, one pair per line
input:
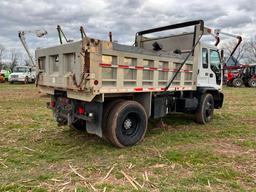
[25,74]
[209,67]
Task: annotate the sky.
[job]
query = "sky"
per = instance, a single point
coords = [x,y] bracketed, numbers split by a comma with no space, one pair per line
[124,18]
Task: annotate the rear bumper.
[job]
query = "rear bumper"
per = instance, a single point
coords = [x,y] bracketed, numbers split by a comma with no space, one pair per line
[66,112]
[67,117]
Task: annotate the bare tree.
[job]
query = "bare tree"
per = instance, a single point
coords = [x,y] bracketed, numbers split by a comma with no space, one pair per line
[239,53]
[1,56]
[14,59]
[25,59]
[250,54]
[27,62]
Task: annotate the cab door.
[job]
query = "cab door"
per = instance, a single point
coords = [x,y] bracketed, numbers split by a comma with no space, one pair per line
[203,69]
[215,68]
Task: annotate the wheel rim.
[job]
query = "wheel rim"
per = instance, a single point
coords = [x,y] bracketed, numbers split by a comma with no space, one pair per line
[238,83]
[130,125]
[254,83]
[208,109]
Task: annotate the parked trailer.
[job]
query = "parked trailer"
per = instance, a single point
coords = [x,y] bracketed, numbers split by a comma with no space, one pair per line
[111,90]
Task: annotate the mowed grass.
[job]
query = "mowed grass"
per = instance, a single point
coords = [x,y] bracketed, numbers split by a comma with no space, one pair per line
[176,155]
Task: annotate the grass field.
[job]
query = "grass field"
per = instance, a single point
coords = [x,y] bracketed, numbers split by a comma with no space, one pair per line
[177,155]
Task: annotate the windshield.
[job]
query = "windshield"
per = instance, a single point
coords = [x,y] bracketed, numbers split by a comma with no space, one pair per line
[19,69]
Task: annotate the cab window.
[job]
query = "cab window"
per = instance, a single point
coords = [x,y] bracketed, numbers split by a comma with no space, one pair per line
[214,60]
[215,65]
[205,58]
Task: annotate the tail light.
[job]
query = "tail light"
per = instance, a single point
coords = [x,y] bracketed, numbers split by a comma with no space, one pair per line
[52,104]
[81,110]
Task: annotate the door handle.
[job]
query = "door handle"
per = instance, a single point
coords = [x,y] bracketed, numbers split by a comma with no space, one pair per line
[211,75]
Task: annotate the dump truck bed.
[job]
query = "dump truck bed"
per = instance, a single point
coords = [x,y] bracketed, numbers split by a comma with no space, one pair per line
[91,67]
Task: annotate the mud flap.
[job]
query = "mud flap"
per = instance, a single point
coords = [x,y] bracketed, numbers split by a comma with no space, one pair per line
[94,126]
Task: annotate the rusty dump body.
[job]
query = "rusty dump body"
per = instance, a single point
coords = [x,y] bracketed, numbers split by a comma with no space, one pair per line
[111,89]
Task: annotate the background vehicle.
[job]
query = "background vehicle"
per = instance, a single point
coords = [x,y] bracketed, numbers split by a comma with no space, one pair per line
[111,90]
[23,74]
[244,75]
[4,73]
[2,79]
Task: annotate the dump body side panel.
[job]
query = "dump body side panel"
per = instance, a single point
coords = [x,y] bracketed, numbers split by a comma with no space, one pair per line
[132,69]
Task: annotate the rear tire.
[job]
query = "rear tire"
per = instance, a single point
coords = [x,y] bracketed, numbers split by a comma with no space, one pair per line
[126,124]
[106,110]
[252,83]
[237,82]
[26,80]
[205,109]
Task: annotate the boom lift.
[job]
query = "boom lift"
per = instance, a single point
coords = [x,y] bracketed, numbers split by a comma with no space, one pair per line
[225,69]
[21,34]
[61,35]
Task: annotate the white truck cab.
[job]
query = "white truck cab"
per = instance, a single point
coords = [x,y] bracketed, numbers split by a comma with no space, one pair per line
[24,74]
[210,68]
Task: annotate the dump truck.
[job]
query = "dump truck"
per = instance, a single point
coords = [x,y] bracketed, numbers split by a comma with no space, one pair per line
[112,90]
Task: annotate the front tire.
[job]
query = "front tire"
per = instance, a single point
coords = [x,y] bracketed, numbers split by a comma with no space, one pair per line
[204,113]
[237,82]
[127,124]
[26,81]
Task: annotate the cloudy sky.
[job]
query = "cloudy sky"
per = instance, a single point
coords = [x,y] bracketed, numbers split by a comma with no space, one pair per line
[123,17]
